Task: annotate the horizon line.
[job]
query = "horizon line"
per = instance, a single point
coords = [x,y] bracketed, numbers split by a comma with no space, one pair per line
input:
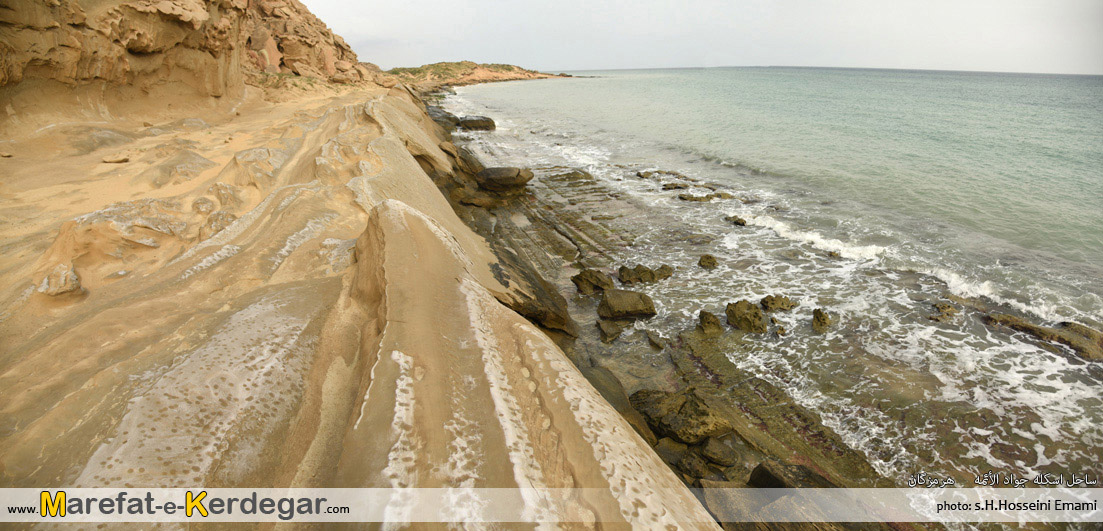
[897,69]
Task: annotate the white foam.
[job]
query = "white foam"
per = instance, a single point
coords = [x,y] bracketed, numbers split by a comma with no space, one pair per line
[817,240]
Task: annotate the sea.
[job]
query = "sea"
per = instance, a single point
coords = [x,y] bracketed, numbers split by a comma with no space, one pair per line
[914,184]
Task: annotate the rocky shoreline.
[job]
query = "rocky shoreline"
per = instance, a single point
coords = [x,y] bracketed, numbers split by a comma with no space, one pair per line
[714,424]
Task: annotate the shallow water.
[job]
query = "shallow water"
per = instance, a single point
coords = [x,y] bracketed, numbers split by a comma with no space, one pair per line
[880,180]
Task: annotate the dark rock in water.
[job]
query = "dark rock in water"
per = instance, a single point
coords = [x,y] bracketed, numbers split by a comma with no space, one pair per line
[503,179]
[774,475]
[773,303]
[946,312]
[636,275]
[708,261]
[655,340]
[476,123]
[443,118]
[709,324]
[1086,342]
[664,272]
[674,186]
[695,198]
[694,466]
[465,160]
[746,317]
[610,330]
[590,281]
[658,173]
[781,331]
[624,304]
[682,416]
[821,321]
[670,451]
[736,220]
[718,452]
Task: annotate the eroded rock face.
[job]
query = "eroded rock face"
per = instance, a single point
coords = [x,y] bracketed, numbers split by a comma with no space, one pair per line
[776,303]
[682,416]
[610,330]
[643,274]
[216,222]
[736,220]
[746,317]
[208,45]
[625,304]
[503,179]
[590,281]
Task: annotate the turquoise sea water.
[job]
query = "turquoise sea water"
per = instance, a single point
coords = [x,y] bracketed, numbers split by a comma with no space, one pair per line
[872,194]
[993,182]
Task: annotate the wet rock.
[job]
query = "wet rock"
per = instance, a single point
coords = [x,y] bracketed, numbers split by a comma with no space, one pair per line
[476,123]
[774,475]
[1086,342]
[821,321]
[694,466]
[670,451]
[682,416]
[709,324]
[203,205]
[61,279]
[443,118]
[635,275]
[775,303]
[590,281]
[946,312]
[216,222]
[625,304]
[674,186]
[746,317]
[708,261]
[718,452]
[659,173]
[655,340]
[706,197]
[664,272]
[610,330]
[503,179]
[736,220]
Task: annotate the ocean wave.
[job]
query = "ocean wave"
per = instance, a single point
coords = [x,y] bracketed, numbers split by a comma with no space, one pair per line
[817,240]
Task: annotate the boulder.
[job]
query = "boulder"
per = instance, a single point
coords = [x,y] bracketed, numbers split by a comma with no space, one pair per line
[476,123]
[736,220]
[590,281]
[664,272]
[625,304]
[636,275]
[709,324]
[61,279]
[610,330]
[694,466]
[503,179]
[670,451]
[717,451]
[820,321]
[674,186]
[746,317]
[708,261]
[774,303]
[682,416]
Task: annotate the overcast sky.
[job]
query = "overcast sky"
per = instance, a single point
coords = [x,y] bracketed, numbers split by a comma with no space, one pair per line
[1063,36]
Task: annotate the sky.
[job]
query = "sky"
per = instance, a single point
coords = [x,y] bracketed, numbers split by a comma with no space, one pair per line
[1046,36]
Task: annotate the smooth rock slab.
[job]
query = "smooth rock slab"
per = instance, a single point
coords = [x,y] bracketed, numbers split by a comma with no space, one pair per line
[476,123]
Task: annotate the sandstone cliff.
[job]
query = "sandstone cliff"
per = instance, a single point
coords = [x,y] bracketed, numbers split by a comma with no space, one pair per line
[273,294]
